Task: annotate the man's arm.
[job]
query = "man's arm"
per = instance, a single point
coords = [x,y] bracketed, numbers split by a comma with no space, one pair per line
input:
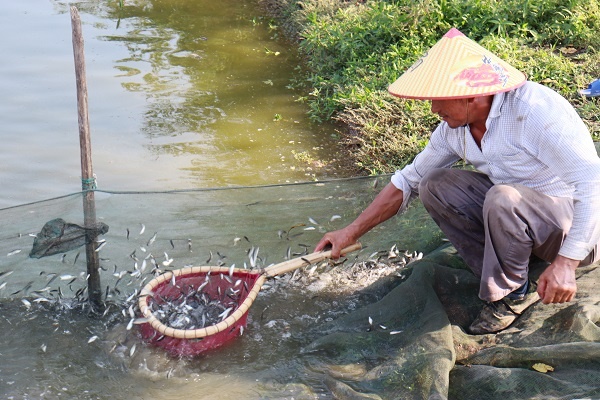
[385,205]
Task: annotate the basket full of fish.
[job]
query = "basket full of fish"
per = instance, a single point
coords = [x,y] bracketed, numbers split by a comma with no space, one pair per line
[194,309]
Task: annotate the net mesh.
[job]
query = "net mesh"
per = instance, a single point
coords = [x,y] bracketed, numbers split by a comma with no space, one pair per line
[372,327]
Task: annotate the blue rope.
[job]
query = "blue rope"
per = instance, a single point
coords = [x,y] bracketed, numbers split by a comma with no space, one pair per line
[88,184]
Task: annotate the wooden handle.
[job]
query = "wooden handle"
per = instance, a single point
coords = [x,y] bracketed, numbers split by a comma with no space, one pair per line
[295,263]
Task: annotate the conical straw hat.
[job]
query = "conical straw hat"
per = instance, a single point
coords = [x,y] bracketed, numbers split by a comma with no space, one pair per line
[454,68]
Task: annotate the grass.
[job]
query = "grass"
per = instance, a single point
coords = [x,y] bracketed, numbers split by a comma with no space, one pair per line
[355,49]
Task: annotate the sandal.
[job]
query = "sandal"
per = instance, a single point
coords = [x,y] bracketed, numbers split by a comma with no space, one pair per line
[592,90]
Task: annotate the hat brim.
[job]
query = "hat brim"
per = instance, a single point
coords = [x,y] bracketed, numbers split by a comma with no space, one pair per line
[455,68]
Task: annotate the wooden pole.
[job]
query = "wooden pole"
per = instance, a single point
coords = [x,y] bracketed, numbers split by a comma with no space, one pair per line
[87,173]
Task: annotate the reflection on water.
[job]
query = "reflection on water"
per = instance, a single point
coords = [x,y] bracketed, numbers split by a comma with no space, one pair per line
[182,94]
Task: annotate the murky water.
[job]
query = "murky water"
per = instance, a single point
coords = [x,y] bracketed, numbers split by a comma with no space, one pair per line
[182,94]
[53,349]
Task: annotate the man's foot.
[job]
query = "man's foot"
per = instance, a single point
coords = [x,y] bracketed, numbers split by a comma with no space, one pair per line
[498,315]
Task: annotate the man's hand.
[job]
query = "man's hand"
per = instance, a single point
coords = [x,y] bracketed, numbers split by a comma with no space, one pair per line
[338,240]
[557,283]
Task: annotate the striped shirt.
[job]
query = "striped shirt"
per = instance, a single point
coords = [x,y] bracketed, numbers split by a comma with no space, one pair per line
[535,138]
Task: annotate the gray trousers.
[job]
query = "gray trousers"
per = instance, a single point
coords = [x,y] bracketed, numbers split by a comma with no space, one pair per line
[496,228]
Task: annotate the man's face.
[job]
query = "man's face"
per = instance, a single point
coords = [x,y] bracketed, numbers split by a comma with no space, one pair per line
[454,111]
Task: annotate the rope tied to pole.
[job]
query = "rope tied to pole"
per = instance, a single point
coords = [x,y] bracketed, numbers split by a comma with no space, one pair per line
[88,184]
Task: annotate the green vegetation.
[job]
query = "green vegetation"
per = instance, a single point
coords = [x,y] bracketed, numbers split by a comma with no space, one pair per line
[355,49]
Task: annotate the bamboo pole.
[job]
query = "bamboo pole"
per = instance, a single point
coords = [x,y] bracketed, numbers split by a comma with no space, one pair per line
[87,173]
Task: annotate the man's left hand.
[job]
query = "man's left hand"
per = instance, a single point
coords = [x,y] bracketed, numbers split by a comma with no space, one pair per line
[557,283]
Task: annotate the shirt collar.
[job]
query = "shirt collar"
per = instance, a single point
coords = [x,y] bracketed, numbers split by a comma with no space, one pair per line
[497,105]
[495,108]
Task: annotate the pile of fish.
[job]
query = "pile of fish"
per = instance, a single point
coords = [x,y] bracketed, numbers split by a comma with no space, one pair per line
[193,311]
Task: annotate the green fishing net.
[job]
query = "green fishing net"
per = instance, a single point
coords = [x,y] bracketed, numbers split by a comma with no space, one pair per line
[418,348]
[385,324]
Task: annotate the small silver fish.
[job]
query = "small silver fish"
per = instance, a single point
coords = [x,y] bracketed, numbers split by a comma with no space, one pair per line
[199,290]
[12,253]
[41,299]
[100,246]
[254,256]
[225,313]
[6,273]
[167,261]
[132,350]
[152,239]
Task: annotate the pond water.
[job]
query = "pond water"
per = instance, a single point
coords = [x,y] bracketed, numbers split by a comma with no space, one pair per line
[182,94]
[52,348]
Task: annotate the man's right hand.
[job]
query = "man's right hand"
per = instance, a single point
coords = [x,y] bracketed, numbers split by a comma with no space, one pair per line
[337,240]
